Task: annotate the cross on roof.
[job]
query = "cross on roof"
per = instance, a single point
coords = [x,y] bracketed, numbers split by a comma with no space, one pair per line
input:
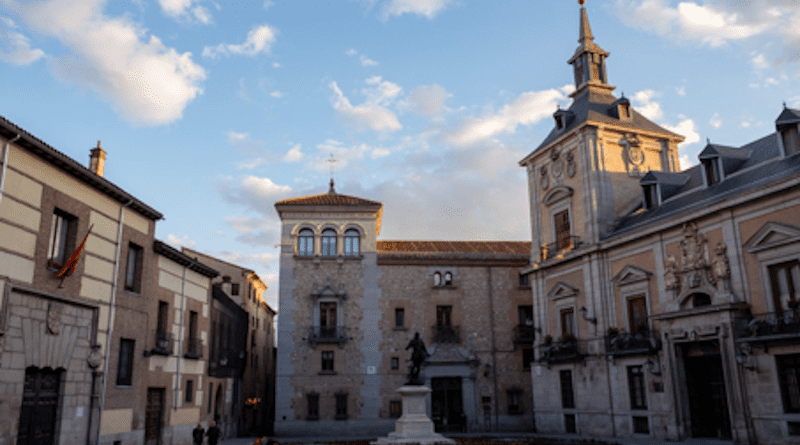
[332,161]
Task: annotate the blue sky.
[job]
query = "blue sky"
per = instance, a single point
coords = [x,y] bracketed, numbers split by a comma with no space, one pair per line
[210,111]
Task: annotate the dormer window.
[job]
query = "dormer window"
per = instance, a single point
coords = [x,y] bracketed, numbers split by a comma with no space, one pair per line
[712,171]
[651,196]
[559,121]
[624,111]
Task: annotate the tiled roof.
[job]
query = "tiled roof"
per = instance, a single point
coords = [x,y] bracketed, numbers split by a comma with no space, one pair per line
[596,106]
[456,247]
[329,199]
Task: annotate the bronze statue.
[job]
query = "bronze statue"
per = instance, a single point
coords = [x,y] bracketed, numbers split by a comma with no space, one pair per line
[418,355]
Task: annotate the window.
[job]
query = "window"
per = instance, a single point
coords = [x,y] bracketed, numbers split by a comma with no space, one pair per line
[341,406]
[567,394]
[789,377]
[570,424]
[525,315]
[327,318]
[711,169]
[327,361]
[395,363]
[567,322]
[312,406]
[125,368]
[513,398]
[650,196]
[523,280]
[162,336]
[527,357]
[189,391]
[443,315]
[636,387]
[234,288]
[305,243]
[210,391]
[785,281]
[351,239]
[399,317]
[448,279]
[395,408]
[133,270]
[62,238]
[562,229]
[437,279]
[194,341]
[328,242]
[700,299]
[641,425]
[637,314]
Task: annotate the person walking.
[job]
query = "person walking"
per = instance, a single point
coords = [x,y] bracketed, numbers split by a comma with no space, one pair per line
[197,435]
[213,434]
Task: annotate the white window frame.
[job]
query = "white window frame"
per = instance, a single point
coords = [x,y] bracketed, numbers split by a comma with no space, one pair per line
[555,209]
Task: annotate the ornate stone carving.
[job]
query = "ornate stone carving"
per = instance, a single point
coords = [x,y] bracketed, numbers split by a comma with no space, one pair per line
[54,311]
[693,248]
[545,178]
[95,357]
[720,267]
[634,154]
[571,164]
[671,278]
[693,270]
[558,166]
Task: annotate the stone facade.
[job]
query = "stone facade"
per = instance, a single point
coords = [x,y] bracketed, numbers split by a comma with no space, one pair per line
[349,304]
[666,299]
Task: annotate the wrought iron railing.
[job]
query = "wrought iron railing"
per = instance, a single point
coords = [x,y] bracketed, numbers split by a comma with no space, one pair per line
[194,348]
[524,333]
[327,334]
[163,343]
[552,250]
[445,334]
[768,327]
[562,351]
[643,342]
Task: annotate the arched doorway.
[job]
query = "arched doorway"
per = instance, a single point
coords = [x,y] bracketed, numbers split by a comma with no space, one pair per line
[219,407]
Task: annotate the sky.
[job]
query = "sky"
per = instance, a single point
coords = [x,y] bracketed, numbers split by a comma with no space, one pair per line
[211,111]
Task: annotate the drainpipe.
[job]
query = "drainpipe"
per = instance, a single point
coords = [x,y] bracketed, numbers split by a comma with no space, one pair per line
[494,346]
[180,340]
[110,329]
[6,148]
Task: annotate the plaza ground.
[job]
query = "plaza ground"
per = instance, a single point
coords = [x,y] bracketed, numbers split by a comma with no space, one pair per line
[488,438]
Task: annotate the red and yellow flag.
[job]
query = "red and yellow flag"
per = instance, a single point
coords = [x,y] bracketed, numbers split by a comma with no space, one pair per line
[72,262]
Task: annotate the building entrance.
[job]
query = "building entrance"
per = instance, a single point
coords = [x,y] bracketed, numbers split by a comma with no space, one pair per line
[154,414]
[705,386]
[37,420]
[446,405]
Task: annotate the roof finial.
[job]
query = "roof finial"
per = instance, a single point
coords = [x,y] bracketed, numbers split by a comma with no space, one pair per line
[586,30]
[708,141]
[332,160]
[784,105]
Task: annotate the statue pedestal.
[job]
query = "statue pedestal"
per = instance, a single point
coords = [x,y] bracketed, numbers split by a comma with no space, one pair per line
[414,427]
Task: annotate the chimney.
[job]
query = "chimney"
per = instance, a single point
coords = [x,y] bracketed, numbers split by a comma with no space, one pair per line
[97,160]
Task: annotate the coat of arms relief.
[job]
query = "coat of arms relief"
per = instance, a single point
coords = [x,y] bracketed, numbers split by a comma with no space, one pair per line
[696,268]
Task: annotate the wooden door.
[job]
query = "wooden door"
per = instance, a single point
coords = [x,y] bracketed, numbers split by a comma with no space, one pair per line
[39,413]
[154,415]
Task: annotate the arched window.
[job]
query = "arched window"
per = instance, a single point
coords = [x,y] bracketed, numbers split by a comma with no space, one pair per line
[328,242]
[448,279]
[305,243]
[351,247]
[437,279]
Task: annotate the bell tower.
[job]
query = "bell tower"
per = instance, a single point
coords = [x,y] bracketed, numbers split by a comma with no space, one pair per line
[589,61]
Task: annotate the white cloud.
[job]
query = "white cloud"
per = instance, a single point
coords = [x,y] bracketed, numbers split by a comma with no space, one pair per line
[259,40]
[686,128]
[745,124]
[180,241]
[366,61]
[185,10]
[268,4]
[530,108]
[351,52]
[380,153]
[372,114]
[15,48]
[428,100]
[646,106]
[759,62]
[294,154]
[427,8]
[264,187]
[145,81]
[234,137]
[715,121]
[680,91]
[276,94]
[251,164]
[276,65]
[202,15]
[686,161]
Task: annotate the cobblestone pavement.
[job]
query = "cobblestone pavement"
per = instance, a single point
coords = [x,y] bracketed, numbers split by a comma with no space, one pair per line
[571,439]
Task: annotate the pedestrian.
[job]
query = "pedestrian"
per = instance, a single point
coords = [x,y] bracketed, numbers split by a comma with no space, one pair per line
[197,434]
[213,434]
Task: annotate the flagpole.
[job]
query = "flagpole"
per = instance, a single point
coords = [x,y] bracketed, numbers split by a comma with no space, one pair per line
[72,263]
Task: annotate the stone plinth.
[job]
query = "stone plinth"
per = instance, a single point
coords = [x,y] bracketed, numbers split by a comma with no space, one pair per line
[414,426]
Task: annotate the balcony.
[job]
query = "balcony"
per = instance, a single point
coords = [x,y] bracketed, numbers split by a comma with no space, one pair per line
[163,344]
[643,342]
[327,334]
[769,328]
[558,249]
[523,334]
[445,334]
[194,348]
[569,350]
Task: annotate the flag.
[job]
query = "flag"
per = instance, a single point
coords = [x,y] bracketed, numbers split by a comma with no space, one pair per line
[72,262]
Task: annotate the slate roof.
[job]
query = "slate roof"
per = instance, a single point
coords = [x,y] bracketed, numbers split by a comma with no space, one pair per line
[599,107]
[788,116]
[439,247]
[763,168]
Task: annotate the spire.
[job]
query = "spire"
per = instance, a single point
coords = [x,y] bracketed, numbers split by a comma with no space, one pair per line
[332,190]
[589,60]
